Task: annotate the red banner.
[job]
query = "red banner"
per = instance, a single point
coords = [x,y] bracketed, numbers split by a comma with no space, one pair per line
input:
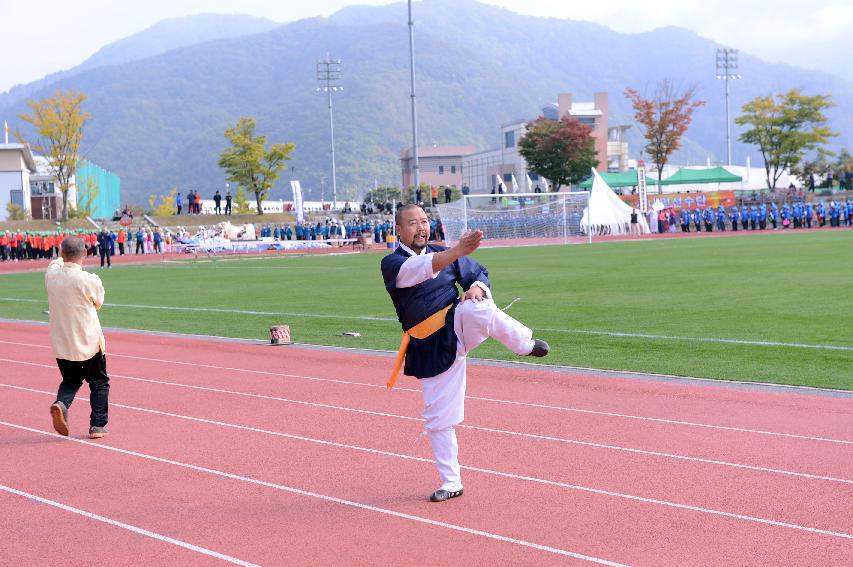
[689,201]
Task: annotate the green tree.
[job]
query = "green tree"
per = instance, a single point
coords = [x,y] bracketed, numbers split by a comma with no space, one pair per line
[58,121]
[784,127]
[14,212]
[560,150]
[241,205]
[87,194]
[383,193]
[249,163]
[664,118]
[166,207]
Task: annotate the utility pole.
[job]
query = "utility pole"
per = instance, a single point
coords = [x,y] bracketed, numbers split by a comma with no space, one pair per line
[415,172]
[329,77]
[726,67]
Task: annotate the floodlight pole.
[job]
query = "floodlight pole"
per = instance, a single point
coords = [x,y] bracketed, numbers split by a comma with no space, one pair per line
[726,64]
[329,76]
[415,170]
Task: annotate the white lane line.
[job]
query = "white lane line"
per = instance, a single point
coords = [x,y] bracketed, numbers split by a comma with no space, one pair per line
[698,339]
[490,472]
[775,344]
[327,498]
[217,310]
[466,426]
[129,527]
[478,398]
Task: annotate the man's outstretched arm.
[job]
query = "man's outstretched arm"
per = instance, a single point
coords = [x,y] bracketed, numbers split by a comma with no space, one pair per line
[469,242]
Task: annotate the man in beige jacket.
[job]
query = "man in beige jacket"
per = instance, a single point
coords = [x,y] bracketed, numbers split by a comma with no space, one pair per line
[78,342]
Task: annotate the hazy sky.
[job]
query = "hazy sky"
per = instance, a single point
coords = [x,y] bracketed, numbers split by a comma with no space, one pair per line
[44,36]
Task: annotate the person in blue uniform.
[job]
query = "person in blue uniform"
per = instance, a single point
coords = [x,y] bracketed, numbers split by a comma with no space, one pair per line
[821,214]
[708,218]
[685,220]
[440,329]
[697,220]
[774,215]
[721,219]
[734,217]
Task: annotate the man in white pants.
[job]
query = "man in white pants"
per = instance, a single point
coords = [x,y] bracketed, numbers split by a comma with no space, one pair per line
[440,330]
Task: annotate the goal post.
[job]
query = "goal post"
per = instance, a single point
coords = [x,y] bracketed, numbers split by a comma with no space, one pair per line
[518,218]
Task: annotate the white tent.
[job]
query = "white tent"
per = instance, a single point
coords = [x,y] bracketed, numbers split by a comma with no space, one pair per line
[607,213]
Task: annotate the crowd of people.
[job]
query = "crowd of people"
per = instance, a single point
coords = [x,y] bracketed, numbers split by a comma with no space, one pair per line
[193,203]
[31,245]
[799,214]
[35,245]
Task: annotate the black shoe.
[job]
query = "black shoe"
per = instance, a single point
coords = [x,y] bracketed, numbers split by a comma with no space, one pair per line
[540,348]
[441,495]
[59,414]
[96,432]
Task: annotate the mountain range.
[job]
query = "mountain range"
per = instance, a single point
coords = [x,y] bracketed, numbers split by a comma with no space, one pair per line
[161,99]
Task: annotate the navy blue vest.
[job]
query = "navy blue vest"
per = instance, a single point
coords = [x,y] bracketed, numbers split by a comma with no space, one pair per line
[435,354]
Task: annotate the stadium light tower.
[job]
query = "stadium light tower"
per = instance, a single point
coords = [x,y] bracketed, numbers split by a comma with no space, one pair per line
[329,77]
[415,170]
[726,70]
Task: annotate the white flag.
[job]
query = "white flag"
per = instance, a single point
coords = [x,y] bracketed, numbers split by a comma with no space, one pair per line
[529,184]
[500,188]
[514,184]
[298,205]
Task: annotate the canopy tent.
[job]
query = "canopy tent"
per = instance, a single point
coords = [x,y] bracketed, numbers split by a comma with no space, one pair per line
[617,179]
[607,213]
[698,176]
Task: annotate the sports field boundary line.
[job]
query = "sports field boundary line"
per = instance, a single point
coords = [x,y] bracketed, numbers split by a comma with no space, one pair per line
[128,527]
[508,432]
[512,476]
[344,502]
[592,332]
[491,362]
[472,397]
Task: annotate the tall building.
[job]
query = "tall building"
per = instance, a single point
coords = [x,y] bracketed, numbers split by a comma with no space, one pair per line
[16,167]
[92,187]
[594,115]
[437,165]
[481,170]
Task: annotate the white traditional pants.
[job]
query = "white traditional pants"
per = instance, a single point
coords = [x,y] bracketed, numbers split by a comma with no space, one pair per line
[444,395]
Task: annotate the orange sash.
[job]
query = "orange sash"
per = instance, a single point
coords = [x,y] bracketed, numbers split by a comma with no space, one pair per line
[420,331]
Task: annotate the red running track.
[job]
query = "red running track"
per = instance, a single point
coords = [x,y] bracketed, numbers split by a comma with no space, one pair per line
[234,452]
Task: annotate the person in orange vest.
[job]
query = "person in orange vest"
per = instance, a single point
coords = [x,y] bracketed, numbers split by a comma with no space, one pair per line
[5,251]
[47,245]
[434,195]
[121,239]
[20,246]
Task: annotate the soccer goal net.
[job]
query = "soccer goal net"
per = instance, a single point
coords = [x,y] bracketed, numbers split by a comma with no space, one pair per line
[518,218]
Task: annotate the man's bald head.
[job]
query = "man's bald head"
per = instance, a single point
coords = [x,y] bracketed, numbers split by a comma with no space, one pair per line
[401,212]
[73,249]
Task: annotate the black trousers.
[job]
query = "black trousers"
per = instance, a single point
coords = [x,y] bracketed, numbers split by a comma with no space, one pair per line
[105,254]
[93,371]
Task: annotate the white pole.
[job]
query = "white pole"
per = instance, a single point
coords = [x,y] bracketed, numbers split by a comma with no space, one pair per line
[415,168]
[465,212]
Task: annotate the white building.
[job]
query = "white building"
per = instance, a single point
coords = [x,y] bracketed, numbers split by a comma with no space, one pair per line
[480,170]
[16,167]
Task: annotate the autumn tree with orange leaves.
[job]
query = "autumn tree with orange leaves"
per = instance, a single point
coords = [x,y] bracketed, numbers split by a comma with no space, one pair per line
[664,117]
[58,121]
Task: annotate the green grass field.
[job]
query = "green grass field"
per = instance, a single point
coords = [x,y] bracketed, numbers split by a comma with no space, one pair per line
[652,306]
